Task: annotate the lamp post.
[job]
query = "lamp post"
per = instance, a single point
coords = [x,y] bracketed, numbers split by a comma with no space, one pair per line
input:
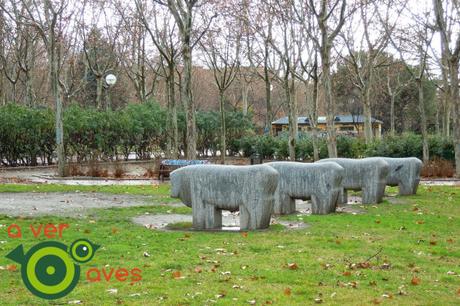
[110,80]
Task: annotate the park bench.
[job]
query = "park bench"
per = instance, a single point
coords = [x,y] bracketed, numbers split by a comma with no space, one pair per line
[169,165]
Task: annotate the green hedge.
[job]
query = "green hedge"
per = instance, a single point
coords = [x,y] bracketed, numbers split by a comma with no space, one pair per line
[405,145]
[27,134]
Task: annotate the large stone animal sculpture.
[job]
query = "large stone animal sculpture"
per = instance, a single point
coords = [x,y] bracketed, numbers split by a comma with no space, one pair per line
[367,174]
[209,189]
[321,183]
[405,173]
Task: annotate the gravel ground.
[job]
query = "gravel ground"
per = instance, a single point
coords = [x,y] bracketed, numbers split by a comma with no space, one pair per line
[64,204]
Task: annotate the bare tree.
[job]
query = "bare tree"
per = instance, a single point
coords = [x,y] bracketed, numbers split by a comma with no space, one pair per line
[99,47]
[448,12]
[183,12]
[404,43]
[365,60]
[394,86]
[324,11]
[257,20]
[308,71]
[49,18]
[222,50]
[284,45]
[163,36]
[132,45]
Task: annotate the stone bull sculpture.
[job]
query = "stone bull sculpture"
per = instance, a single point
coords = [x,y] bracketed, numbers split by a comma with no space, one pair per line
[209,189]
[405,173]
[367,174]
[321,183]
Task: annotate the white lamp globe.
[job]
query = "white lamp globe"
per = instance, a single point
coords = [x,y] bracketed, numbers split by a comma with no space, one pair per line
[110,79]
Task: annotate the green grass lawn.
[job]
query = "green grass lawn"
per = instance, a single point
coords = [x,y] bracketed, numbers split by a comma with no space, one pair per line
[393,254]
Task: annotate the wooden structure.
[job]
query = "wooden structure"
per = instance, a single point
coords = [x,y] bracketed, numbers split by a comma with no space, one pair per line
[352,125]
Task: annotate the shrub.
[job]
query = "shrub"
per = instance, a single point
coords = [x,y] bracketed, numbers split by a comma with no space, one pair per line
[438,168]
[119,171]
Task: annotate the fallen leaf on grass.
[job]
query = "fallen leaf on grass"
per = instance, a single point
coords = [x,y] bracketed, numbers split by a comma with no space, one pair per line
[318,300]
[11,268]
[198,269]
[433,242]
[244,234]
[176,275]
[346,273]
[114,230]
[420,222]
[415,281]
[458,292]
[401,290]
[293,266]
[376,301]
[377,221]
[287,292]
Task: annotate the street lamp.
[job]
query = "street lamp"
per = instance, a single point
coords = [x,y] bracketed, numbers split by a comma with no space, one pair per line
[110,80]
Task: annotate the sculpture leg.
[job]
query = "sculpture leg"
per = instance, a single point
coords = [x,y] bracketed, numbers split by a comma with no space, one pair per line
[373,194]
[284,205]
[244,218]
[213,217]
[324,204]
[368,197]
[342,197]
[408,188]
[198,213]
[380,192]
[261,214]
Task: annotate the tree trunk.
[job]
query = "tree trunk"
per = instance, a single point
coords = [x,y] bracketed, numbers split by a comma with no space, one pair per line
[368,135]
[245,97]
[173,111]
[292,114]
[268,94]
[423,121]
[313,118]
[99,91]
[29,90]
[456,110]
[223,145]
[188,100]
[55,89]
[328,101]
[169,138]
[392,115]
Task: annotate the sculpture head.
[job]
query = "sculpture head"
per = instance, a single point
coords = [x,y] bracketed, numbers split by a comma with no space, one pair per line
[180,186]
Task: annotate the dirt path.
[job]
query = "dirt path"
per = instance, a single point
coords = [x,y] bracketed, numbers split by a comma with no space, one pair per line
[65,204]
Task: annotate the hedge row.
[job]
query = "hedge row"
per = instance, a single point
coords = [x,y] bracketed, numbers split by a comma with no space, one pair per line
[27,135]
[404,145]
